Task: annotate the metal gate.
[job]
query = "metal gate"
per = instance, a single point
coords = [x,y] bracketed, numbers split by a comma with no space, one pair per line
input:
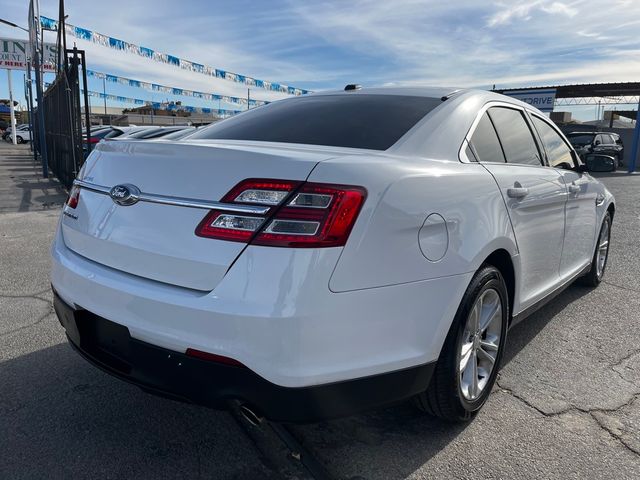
[63,107]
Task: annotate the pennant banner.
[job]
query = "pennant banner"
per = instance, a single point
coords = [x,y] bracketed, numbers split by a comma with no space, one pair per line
[154,87]
[167,59]
[222,112]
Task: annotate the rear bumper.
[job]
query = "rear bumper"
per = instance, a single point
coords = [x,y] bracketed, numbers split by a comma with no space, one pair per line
[274,313]
[167,373]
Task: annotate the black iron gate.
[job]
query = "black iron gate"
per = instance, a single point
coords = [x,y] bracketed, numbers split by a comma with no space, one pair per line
[63,107]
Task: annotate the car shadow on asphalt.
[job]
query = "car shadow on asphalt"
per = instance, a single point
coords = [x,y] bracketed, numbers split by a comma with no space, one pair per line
[62,418]
[402,429]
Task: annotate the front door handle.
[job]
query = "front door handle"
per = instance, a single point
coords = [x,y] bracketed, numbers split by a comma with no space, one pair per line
[517,192]
[573,188]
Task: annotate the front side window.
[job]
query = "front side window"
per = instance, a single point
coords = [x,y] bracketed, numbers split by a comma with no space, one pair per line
[515,136]
[558,153]
[485,143]
[358,121]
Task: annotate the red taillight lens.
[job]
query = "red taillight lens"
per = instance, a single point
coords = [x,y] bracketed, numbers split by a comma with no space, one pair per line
[239,227]
[301,215]
[212,357]
[94,139]
[74,197]
[316,216]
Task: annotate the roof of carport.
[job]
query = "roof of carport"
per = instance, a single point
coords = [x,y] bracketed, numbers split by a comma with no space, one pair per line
[586,89]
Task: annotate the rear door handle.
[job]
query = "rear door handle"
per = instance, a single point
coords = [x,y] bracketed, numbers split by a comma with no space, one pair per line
[517,192]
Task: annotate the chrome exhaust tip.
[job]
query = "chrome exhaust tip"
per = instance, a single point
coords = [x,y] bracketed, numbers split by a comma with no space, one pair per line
[250,416]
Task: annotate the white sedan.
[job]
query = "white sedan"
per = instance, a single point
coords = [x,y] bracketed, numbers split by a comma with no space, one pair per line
[328,253]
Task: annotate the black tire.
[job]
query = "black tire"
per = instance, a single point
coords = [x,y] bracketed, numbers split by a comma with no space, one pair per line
[19,139]
[594,277]
[443,398]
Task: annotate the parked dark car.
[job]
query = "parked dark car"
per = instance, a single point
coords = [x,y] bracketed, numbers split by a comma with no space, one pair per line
[602,143]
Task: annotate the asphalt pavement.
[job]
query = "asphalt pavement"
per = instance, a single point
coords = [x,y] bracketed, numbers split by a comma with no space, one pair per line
[567,403]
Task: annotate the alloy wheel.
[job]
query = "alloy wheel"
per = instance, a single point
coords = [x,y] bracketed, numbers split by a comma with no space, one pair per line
[603,249]
[479,344]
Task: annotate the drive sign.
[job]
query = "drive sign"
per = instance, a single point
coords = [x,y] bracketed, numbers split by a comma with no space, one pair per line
[541,99]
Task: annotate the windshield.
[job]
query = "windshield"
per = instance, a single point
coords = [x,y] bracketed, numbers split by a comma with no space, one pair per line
[359,121]
[580,140]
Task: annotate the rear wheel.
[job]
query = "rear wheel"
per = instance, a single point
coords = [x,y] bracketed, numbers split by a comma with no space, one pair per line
[470,359]
[19,139]
[600,256]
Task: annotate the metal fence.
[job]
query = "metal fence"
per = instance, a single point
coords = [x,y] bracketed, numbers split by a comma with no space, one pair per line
[63,107]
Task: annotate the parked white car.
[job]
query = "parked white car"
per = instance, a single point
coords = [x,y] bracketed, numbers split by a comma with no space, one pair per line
[328,253]
[22,134]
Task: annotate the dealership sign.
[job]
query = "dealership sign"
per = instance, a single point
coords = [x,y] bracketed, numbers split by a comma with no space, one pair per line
[541,99]
[13,55]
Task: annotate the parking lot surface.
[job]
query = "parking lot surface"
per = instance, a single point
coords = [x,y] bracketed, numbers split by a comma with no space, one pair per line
[567,403]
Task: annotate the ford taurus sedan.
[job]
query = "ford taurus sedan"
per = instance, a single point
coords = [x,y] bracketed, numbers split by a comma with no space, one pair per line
[328,253]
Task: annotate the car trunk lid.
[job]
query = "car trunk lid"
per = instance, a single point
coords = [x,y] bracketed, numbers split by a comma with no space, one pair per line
[157,241]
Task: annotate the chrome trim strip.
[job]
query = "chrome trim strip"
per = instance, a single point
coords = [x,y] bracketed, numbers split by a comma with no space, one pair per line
[92,186]
[179,201]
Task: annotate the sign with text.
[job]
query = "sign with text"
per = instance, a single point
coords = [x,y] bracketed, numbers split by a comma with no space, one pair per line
[541,99]
[13,55]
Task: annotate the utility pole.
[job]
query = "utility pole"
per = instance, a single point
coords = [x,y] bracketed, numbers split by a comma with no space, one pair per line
[104,92]
[12,109]
[636,143]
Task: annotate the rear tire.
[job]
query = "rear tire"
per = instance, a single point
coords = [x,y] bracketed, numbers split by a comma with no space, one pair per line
[600,256]
[458,389]
[19,139]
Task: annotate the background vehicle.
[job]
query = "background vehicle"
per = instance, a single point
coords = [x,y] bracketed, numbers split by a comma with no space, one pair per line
[107,132]
[328,253]
[603,143]
[154,132]
[22,133]
[180,134]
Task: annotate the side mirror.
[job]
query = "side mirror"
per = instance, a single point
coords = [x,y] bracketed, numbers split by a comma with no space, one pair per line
[597,142]
[599,163]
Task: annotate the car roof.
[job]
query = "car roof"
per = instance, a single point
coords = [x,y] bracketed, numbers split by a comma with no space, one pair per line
[431,92]
[592,133]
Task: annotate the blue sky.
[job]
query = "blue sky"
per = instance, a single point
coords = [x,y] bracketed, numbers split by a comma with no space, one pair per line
[326,44]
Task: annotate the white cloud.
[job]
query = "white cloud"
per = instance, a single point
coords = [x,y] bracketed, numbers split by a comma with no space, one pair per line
[525,11]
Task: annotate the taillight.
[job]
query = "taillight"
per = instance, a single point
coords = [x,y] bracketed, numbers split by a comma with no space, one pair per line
[301,215]
[212,357]
[74,196]
[94,139]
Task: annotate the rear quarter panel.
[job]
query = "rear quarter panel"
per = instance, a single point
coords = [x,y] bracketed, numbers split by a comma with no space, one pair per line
[384,247]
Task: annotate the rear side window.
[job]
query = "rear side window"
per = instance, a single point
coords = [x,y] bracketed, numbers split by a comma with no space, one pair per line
[608,139]
[484,142]
[515,136]
[358,121]
[558,153]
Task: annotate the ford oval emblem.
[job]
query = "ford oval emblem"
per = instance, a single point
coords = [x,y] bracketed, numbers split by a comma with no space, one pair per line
[125,194]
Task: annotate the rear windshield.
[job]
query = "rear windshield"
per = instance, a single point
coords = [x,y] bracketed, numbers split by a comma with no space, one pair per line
[359,121]
[580,138]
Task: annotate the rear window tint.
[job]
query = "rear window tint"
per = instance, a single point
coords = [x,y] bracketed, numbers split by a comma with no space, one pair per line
[358,121]
[485,142]
[515,137]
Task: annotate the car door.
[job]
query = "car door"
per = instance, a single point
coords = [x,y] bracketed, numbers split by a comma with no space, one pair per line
[534,195]
[580,209]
